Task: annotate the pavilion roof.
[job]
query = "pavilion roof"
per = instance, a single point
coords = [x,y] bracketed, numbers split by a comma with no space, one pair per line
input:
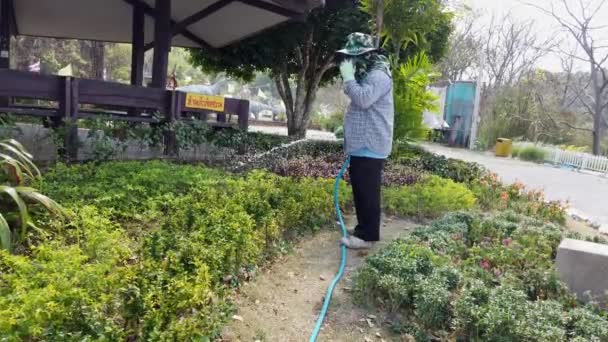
[209,23]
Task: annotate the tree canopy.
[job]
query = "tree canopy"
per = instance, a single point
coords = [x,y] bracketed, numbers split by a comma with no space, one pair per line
[323,32]
[300,56]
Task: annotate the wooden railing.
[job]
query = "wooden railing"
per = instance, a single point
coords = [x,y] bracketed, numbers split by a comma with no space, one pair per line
[69,99]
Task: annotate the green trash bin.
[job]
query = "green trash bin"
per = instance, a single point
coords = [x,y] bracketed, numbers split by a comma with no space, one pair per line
[504,147]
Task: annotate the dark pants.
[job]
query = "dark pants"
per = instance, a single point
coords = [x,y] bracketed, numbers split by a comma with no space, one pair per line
[366,177]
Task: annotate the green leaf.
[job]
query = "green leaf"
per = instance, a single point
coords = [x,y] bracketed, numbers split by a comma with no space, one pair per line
[15,166]
[48,203]
[5,234]
[20,147]
[25,217]
[21,154]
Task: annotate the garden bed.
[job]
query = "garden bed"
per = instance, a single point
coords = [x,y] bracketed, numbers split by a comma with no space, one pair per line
[149,250]
[477,278]
[155,250]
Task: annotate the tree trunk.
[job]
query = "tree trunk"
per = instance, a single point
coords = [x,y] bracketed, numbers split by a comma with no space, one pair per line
[297,109]
[379,20]
[597,130]
[296,127]
[298,103]
[597,107]
[97,60]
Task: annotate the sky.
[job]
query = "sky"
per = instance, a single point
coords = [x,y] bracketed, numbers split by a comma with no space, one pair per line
[546,25]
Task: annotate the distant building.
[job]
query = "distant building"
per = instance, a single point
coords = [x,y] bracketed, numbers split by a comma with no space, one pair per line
[459,109]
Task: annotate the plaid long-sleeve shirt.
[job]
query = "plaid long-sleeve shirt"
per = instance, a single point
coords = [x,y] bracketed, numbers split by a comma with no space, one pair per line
[368,123]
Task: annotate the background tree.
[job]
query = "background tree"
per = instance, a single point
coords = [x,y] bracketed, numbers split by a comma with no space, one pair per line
[464,47]
[511,50]
[582,24]
[412,98]
[97,53]
[301,56]
[300,51]
[53,54]
[531,110]
[411,26]
[414,43]
[118,62]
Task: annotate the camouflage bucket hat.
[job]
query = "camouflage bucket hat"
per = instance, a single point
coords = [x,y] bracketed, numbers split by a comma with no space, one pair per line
[358,44]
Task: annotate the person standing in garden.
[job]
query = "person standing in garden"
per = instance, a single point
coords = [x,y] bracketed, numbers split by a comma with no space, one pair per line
[368,131]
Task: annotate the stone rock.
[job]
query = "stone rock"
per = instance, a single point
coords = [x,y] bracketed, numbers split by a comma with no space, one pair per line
[583,266]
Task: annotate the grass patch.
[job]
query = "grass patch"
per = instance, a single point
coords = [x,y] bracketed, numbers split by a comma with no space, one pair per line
[533,154]
[515,150]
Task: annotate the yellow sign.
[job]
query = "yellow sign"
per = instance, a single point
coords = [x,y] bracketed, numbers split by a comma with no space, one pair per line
[214,103]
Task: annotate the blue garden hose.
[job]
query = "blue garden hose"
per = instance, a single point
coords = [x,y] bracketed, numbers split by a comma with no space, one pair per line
[334,282]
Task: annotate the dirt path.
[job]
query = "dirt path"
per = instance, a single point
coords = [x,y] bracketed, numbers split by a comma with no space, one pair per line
[283,302]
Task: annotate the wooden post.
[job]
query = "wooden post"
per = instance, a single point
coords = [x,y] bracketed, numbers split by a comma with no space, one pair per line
[162,43]
[71,142]
[66,121]
[5,41]
[137,40]
[137,50]
[243,115]
[171,143]
[5,34]
[160,65]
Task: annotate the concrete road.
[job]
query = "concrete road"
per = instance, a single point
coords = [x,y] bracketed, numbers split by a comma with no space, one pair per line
[587,194]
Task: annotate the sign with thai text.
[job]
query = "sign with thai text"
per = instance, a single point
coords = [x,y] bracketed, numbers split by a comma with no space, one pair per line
[198,101]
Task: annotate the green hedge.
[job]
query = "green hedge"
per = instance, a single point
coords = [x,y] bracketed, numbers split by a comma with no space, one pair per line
[532,153]
[515,151]
[429,198]
[151,251]
[457,170]
[245,142]
[472,278]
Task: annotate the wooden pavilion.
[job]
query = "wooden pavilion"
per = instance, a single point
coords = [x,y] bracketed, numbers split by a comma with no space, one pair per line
[146,24]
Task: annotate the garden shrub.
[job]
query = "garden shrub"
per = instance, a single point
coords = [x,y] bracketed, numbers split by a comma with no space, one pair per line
[329,166]
[515,150]
[332,121]
[503,313]
[587,324]
[69,289]
[533,154]
[400,175]
[108,140]
[491,194]
[151,249]
[245,142]
[595,238]
[408,165]
[478,278]
[418,158]
[431,197]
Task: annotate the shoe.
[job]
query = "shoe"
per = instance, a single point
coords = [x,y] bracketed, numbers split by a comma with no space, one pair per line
[353,242]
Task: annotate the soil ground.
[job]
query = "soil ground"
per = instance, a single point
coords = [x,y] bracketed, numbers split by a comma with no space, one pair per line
[282,303]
